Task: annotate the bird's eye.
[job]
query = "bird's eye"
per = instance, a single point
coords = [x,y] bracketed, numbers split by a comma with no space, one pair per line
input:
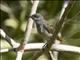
[36,16]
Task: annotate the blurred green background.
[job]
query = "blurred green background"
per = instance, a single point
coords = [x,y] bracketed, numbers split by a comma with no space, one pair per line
[14,18]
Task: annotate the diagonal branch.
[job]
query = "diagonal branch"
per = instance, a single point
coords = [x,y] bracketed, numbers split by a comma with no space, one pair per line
[59,24]
[54,54]
[27,32]
[30,21]
[8,39]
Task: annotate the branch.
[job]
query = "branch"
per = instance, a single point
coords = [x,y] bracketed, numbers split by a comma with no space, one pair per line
[8,39]
[59,25]
[55,47]
[3,50]
[19,55]
[30,21]
[27,32]
[54,54]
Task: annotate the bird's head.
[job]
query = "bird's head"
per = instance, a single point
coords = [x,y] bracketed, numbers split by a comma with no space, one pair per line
[36,17]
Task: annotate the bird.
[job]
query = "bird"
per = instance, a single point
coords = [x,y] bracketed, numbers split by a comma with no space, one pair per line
[42,27]
[45,30]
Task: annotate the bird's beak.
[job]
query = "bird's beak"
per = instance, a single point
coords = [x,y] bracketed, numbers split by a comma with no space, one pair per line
[28,16]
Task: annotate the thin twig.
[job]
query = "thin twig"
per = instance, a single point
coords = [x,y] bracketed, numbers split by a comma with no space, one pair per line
[3,50]
[54,54]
